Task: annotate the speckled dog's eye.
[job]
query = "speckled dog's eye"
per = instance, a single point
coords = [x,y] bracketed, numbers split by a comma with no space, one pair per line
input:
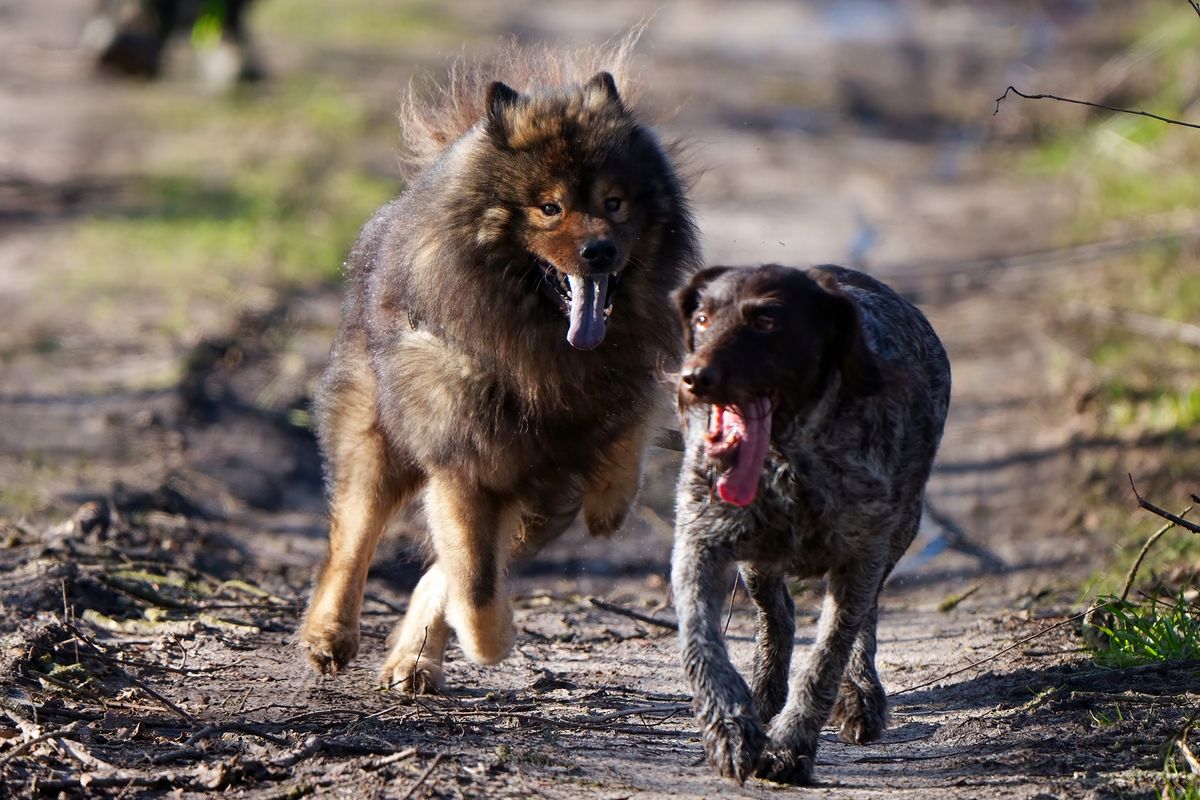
[700,321]
[764,323]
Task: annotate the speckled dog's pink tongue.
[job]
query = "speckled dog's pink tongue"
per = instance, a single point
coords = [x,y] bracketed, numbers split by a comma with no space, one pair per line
[742,437]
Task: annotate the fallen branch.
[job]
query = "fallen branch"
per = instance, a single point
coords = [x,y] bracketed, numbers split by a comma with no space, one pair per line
[1089,104]
[66,730]
[1162,512]
[219,728]
[999,653]
[124,673]
[667,711]
[424,775]
[626,612]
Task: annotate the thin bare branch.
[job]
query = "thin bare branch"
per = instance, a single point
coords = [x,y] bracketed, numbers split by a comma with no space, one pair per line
[67,730]
[1133,571]
[625,612]
[437,759]
[1089,104]
[998,653]
[1162,512]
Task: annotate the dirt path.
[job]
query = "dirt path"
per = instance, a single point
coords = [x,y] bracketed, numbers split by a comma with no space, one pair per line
[211,517]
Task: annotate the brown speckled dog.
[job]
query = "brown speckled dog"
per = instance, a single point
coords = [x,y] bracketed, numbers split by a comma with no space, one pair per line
[812,405]
[499,350]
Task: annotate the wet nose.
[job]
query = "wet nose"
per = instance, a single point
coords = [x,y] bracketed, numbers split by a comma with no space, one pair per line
[699,380]
[599,254]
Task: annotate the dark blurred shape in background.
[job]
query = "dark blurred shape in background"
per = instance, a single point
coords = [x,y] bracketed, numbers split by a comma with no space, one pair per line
[131,38]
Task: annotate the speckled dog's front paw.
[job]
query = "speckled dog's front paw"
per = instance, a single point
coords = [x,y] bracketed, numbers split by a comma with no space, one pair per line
[860,714]
[733,742]
[783,764]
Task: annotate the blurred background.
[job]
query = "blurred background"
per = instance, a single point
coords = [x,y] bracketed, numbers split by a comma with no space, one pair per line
[179,183]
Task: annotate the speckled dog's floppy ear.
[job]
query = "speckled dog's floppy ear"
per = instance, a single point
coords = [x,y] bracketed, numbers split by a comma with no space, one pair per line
[688,298]
[859,367]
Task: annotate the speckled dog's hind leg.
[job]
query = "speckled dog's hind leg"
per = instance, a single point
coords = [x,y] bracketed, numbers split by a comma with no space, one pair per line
[791,751]
[775,631]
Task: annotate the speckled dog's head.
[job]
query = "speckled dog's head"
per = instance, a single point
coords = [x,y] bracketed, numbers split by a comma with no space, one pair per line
[769,331]
[759,339]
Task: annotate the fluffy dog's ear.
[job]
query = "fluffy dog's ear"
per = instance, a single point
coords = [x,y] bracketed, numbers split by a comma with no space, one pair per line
[602,89]
[501,98]
[859,367]
[688,298]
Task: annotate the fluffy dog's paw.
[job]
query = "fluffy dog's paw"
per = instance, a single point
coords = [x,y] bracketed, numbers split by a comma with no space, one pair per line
[413,675]
[860,714]
[733,743]
[783,764]
[603,524]
[330,646]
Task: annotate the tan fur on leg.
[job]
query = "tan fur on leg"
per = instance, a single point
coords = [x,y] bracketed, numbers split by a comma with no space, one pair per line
[612,491]
[365,493]
[472,533]
[419,641]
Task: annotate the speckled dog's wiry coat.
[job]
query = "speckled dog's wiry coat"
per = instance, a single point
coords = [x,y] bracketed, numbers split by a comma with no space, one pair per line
[851,387]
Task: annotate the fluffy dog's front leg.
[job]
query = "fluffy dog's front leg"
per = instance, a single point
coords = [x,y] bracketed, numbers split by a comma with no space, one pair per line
[418,644]
[365,489]
[472,532]
[610,493]
[790,754]
[729,727]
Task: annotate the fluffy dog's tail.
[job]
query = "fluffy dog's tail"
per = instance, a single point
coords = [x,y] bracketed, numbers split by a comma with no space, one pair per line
[433,117]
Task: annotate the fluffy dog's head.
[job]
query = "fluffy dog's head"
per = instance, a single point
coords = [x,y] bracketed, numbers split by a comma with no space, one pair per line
[580,189]
[761,338]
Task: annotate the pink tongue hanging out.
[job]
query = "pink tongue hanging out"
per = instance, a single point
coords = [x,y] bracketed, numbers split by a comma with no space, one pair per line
[738,438]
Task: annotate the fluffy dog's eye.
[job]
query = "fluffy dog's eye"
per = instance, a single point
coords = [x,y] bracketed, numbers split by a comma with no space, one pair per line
[613,204]
[700,322]
[551,209]
[764,323]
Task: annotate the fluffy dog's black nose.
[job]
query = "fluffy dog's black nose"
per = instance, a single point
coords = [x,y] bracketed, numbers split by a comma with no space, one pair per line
[699,380]
[599,254]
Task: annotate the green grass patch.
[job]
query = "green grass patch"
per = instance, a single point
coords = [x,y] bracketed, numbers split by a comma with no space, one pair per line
[262,191]
[1181,773]
[358,25]
[1130,167]
[1156,630]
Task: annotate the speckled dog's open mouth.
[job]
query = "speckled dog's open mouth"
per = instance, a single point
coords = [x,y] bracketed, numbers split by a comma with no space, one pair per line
[587,302]
[737,442]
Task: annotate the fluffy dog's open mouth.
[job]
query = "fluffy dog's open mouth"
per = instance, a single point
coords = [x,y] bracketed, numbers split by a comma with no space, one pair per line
[586,301]
[738,439]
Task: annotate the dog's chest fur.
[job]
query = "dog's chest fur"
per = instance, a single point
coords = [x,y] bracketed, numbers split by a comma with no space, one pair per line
[799,523]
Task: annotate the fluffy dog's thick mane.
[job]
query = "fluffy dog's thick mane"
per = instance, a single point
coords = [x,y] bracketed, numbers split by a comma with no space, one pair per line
[432,117]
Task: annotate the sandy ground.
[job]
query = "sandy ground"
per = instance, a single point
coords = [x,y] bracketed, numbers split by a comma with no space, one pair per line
[207,516]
